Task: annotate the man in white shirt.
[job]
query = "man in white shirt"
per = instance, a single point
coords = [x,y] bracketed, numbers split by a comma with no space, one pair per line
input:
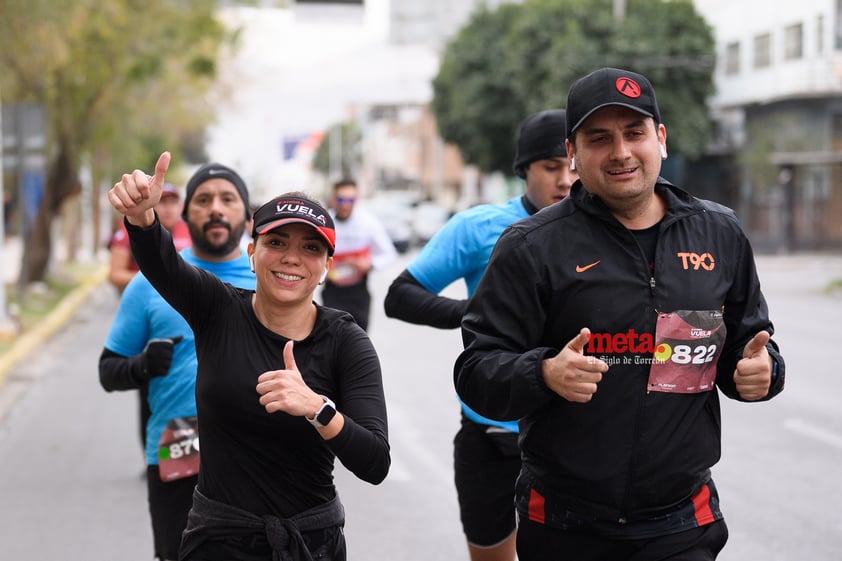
[362,244]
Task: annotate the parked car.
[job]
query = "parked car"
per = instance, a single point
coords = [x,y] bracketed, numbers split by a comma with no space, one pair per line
[428,218]
[395,210]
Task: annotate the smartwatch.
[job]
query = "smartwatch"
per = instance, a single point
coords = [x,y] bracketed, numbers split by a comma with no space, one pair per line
[324,415]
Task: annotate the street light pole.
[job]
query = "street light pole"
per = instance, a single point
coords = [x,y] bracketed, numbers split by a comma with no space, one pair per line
[8,327]
[619,9]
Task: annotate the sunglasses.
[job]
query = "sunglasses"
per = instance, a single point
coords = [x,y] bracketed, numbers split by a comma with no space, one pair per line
[345,200]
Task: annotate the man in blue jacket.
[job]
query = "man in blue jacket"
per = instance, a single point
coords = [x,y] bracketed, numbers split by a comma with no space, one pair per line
[605,323]
[485,452]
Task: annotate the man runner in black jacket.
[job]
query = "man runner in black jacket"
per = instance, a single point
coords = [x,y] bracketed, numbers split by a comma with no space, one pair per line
[605,323]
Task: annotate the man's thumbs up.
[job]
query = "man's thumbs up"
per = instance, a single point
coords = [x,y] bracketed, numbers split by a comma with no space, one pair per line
[753,374]
[578,342]
[756,345]
[572,374]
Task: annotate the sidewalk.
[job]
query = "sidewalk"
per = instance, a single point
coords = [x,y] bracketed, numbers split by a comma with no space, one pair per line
[26,343]
[11,249]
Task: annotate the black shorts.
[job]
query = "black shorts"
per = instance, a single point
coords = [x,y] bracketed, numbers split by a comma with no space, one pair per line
[486,463]
[169,504]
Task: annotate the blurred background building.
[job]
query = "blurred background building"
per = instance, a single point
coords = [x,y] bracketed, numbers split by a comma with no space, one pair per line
[778,117]
[777,113]
[305,70]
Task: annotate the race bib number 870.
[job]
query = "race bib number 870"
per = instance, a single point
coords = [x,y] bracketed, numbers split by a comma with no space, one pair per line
[178,449]
[687,346]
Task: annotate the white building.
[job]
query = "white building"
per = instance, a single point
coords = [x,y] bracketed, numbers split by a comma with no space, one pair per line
[432,22]
[778,110]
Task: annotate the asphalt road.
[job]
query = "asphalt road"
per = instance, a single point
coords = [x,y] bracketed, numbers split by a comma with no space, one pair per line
[70,460]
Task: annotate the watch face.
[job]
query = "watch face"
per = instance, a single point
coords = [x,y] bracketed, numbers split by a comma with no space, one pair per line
[326,413]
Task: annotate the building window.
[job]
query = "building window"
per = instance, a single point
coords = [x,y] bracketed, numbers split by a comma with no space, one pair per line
[732,58]
[836,131]
[793,42]
[763,50]
[820,34]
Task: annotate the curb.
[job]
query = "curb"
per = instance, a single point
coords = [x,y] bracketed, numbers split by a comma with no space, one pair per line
[30,340]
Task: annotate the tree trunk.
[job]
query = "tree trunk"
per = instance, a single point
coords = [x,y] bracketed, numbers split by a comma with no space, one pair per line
[62,181]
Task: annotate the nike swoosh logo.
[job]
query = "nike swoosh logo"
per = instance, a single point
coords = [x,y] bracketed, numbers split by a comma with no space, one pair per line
[580,269]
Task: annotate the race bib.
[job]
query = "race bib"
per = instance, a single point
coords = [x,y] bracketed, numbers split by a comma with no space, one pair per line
[343,273]
[178,449]
[687,346]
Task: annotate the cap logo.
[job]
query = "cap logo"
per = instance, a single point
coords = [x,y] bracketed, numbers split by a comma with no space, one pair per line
[627,87]
[295,208]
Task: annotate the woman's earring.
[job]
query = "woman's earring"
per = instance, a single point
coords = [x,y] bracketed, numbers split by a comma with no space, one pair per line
[663,151]
[573,163]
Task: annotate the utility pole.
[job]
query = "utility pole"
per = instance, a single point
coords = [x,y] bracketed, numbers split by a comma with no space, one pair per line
[335,152]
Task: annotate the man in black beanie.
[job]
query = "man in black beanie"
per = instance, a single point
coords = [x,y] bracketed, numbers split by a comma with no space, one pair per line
[215,234]
[486,457]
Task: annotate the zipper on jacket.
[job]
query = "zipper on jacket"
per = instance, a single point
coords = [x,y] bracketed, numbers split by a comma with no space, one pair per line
[649,271]
[641,404]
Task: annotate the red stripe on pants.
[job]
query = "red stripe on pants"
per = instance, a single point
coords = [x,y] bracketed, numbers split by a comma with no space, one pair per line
[536,507]
[701,502]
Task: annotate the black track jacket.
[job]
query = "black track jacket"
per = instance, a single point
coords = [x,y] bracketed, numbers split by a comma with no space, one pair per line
[629,453]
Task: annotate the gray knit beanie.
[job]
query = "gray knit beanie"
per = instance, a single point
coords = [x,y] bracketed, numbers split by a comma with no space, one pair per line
[214,170]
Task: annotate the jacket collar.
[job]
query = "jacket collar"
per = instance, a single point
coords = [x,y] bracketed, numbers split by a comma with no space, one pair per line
[678,201]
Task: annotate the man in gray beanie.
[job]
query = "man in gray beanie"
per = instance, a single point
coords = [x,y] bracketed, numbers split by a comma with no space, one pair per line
[214,170]
[215,234]
[486,456]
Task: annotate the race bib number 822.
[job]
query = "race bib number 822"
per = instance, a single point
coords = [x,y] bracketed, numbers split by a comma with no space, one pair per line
[687,346]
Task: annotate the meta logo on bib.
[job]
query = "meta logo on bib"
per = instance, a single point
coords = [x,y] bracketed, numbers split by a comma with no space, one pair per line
[682,353]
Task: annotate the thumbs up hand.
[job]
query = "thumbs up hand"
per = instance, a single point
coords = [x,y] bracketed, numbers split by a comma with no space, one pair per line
[285,390]
[753,375]
[572,374]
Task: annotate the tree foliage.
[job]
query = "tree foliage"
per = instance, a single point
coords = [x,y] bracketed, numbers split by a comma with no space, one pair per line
[508,63]
[474,93]
[118,81]
[338,155]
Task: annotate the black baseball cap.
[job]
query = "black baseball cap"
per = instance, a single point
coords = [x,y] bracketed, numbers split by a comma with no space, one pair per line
[609,86]
[287,209]
[541,137]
